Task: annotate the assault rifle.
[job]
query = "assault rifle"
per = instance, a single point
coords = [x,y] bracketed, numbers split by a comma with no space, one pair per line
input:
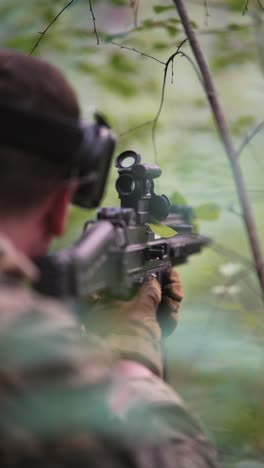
[118,250]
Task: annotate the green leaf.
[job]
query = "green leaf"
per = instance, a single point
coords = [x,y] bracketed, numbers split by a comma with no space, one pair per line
[160,8]
[121,63]
[207,212]
[117,84]
[119,2]
[148,24]
[85,67]
[235,27]
[159,45]
[161,229]
[118,35]
[235,5]
[167,24]
[177,199]
[243,123]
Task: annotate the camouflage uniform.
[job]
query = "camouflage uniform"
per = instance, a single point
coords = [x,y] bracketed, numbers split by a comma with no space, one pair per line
[64,401]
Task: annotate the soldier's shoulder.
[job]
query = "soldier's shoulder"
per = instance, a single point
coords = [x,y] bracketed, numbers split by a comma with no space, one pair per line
[41,336]
[153,413]
[17,299]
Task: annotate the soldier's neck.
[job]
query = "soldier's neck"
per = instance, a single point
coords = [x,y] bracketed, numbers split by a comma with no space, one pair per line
[27,234]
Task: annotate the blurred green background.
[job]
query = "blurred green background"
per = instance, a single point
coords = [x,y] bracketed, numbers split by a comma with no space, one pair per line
[216,356]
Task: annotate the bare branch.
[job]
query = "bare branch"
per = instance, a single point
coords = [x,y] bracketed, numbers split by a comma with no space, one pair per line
[193,64]
[180,53]
[138,52]
[144,124]
[260,4]
[232,210]
[227,252]
[225,136]
[42,34]
[245,9]
[249,137]
[170,59]
[172,71]
[207,14]
[134,5]
[94,24]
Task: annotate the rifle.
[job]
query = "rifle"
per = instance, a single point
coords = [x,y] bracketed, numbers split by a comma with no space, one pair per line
[118,250]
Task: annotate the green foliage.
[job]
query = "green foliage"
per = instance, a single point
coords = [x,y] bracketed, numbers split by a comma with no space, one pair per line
[207,211]
[243,124]
[117,84]
[171,25]
[161,8]
[236,5]
[177,199]
[121,63]
[161,229]
[119,2]
[233,49]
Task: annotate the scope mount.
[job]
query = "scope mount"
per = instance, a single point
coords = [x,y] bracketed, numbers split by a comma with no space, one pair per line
[135,187]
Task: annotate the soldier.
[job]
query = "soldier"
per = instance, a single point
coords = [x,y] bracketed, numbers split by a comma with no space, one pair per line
[68,398]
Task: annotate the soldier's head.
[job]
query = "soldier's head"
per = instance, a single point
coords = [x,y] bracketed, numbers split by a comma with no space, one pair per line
[33,194]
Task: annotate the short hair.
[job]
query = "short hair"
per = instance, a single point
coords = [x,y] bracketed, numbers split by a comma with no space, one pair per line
[32,85]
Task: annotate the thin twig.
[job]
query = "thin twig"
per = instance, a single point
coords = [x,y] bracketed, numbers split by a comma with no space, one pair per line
[170,59]
[227,252]
[245,7]
[260,4]
[232,210]
[249,137]
[134,5]
[207,14]
[196,69]
[225,136]
[172,71]
[136,128]
[138,52]
[94,23]
[42,34]
[180,53]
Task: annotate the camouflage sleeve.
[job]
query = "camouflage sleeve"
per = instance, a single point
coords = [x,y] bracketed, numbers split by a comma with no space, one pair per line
[151,411]
[64,404]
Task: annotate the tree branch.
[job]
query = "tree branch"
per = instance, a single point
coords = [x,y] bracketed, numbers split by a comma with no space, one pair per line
[42,34]
[138,52]
[207,14]
[94,24]
[250,137]
[155,120]
[245,7]
[134,5]
[167,63]
[225,136]
[260,5]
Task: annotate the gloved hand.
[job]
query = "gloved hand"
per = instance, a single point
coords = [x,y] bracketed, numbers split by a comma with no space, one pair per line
[172,295]
[131,327]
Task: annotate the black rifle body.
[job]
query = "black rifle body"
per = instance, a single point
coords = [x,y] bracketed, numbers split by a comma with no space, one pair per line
[115,255]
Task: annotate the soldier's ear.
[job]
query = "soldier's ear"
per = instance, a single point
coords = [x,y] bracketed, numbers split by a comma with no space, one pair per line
[57,210]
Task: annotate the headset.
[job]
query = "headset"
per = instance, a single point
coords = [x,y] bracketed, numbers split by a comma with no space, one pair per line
[84,149]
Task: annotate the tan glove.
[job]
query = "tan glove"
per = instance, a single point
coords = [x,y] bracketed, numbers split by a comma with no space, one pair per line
[172,295]
[131,327]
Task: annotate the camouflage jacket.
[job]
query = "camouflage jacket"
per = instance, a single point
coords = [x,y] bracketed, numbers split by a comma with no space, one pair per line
[64,401]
